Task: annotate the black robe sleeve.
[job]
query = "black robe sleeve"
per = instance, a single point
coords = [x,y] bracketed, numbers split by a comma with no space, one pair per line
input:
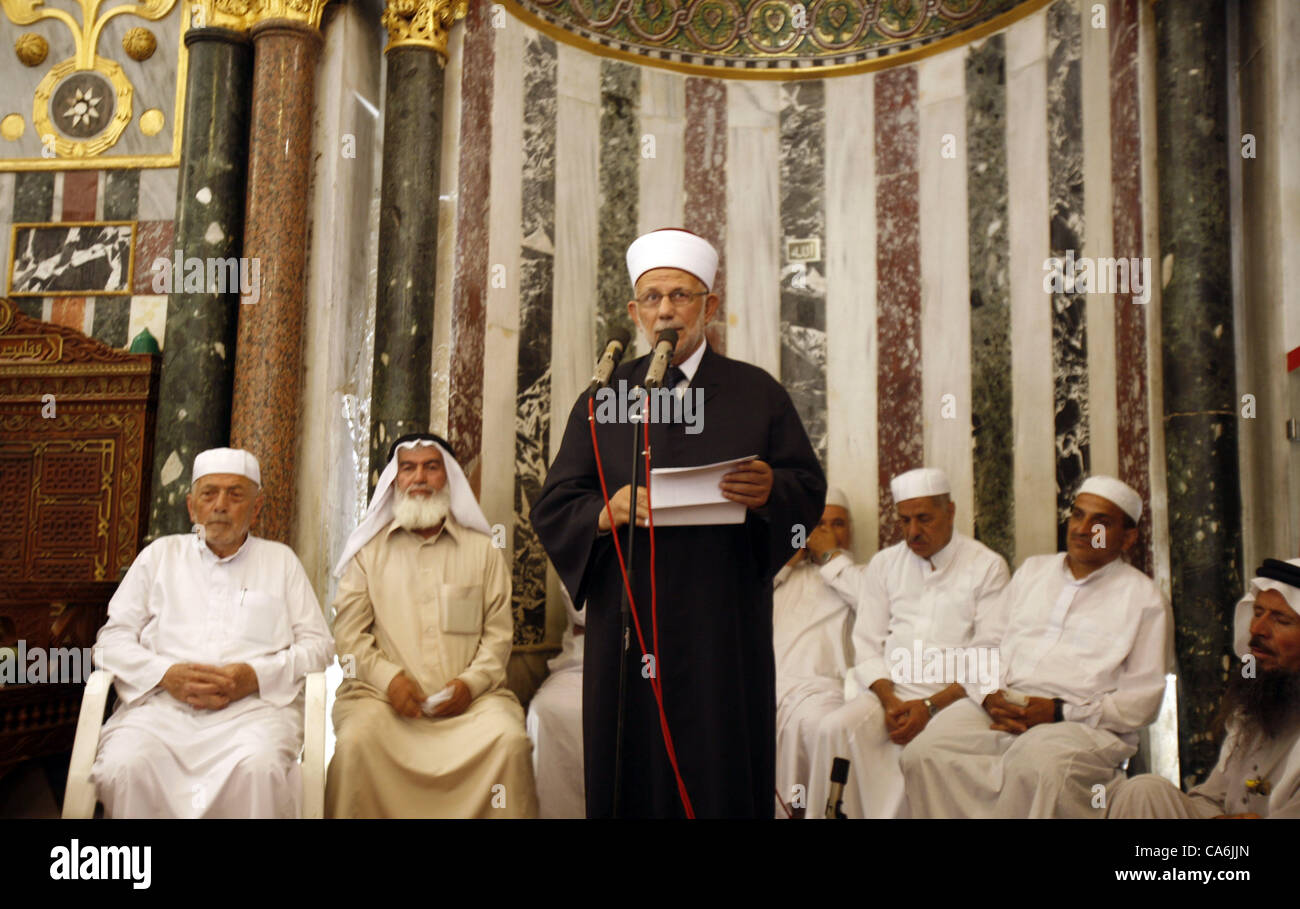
[567,510]
[798,493]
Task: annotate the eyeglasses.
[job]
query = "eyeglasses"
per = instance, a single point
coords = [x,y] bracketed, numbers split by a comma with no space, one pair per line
[678,297]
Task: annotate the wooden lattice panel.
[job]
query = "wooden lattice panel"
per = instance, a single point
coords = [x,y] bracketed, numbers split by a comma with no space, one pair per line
[76,439]
[76,433]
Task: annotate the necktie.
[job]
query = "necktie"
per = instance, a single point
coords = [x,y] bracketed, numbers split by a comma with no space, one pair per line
[673,377]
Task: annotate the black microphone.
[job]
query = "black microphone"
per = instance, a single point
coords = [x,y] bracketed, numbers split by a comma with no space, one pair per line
[839,776]
[665,344]
[608,362]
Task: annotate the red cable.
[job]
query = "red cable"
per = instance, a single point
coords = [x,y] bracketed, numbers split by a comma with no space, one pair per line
[622,567]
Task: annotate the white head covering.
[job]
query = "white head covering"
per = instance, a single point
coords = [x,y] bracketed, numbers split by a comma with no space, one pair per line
[464,507]
[1246,605]
[1117,491]
[836,496]
[227,460]
[914,484]
[673,247]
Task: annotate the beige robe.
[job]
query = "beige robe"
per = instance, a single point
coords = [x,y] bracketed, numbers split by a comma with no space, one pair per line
[437,609]
[1270,766]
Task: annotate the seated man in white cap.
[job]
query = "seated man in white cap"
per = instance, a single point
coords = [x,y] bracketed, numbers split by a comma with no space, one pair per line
[210,637]
[555,725]
[1258,774]
[1084,647]
[423,625]
[811,624]
[918,603]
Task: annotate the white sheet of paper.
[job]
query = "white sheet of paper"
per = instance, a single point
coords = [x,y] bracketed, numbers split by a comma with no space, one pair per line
[432,702]
[683,496]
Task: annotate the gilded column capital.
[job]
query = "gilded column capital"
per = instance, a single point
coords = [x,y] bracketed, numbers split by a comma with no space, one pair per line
[236,15]
[305,12]
[422,23]
[241,15]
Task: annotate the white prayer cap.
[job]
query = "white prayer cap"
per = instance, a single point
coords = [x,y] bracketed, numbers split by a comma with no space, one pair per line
[1117,492]
[464,507]
[836,496]
[924,481]
[227,460]
[1269,577]
[673,247]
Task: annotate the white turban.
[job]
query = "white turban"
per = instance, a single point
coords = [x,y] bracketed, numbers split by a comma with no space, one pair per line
[1246,605]
[915,484]
[464,507]
[836,496]
[227,460]
[1112,490]
[673,248]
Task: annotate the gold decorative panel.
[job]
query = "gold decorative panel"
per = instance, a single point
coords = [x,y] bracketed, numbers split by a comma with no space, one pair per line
[88,85]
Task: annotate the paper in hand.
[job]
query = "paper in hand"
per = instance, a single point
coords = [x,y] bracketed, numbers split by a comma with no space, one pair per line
[433,701]
[691,495]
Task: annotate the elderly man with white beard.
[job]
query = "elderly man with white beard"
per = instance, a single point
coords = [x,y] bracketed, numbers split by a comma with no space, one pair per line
[424,724]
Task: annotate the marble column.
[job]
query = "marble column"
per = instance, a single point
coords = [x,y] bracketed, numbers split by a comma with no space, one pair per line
[990,296]
[1200,409]
[898,283]
[408,225]
[1069,304]
[468,333]
[620,96]
[1134,435]
[705,142]
[803,282]
[268,352]
[533,402]
[198,362]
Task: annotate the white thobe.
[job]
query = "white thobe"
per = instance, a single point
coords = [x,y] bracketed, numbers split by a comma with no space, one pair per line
[1255,775]
[555,725]
[1100,643]
[811,624]
[180,603]
[906,605]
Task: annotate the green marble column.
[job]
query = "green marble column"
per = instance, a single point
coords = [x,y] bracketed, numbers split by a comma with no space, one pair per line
[1200,406]
[199,353]
[408,249]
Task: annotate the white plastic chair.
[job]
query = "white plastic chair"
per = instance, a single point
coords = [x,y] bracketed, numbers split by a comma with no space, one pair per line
[79,798]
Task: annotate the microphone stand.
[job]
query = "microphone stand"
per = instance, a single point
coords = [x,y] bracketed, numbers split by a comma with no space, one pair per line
[626,612]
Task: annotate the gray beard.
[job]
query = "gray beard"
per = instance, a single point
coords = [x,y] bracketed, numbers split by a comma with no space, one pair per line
[421,513]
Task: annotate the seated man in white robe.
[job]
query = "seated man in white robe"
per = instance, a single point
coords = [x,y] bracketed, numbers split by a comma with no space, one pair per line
[917,602]
[424,725]
[210,637]
[1258,774]
[555,726]
[1085,640]
[811,624]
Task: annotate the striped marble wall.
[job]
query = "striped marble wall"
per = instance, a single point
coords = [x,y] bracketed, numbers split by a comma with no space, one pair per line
[103,302]
[884,241]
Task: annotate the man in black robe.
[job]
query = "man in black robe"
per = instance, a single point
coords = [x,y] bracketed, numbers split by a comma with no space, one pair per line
[713,656]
